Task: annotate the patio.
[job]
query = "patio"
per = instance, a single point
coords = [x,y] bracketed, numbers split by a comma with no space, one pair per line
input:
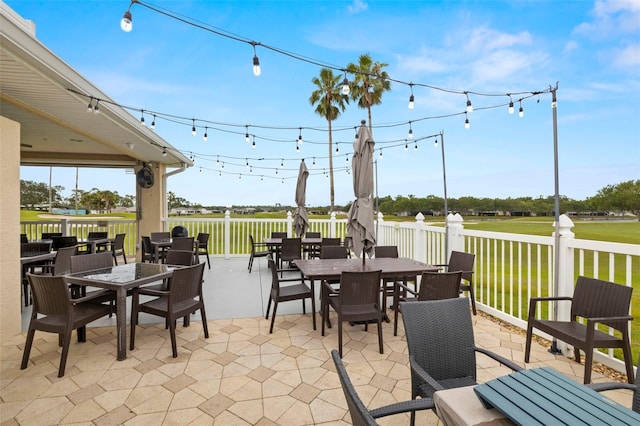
[240,375]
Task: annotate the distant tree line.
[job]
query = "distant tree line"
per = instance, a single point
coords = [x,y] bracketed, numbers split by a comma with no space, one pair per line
[35,195]
[618,198]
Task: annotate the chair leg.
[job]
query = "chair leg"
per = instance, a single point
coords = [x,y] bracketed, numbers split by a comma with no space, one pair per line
[134,319]
[82,334]
[380,334]
[205,327]
[588,360]
[527,348]
[65,353]
[628,359]
[473,298]
[340,335]
[115,258]
[273,315]
[250,262]
[27,348]
[208,261]
[268,308]
[172,332]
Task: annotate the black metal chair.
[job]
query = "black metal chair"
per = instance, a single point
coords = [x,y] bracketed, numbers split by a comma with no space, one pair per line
[54,311]
[442,351]
[360,415]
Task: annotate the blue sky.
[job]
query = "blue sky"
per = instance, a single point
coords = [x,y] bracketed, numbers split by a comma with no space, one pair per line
[592,49]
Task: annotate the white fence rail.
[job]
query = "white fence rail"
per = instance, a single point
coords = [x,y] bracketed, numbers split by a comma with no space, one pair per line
[509,268]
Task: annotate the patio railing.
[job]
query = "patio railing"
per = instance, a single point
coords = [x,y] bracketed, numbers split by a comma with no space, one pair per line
[509,268]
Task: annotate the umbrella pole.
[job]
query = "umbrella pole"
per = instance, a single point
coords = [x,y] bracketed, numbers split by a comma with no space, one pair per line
[556,255]
[446,207]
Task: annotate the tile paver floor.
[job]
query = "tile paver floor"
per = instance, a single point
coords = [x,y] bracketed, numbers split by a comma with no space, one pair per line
[240,375]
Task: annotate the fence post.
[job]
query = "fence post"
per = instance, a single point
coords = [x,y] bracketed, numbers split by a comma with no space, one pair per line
[456,240]
[565,277]
[227,234]
[381,238]
[420,239]
[290,224]
[64,227]
[332,225]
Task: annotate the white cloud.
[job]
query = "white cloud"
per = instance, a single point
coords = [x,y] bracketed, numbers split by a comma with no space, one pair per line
[627,57]
[486,39]
[357,6]
[611,18]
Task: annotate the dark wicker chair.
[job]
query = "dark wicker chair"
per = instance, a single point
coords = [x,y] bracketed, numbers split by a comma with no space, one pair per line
[333,252]
[285,293]
[433,286]
[183,244]
[358,300]
[442,352]
[203,247]
[635,387]
[290,251]
[311,251]
[257,250]
[62,262]
[461,261]
[54,311]
[360,415]
[160,236]
[23,239]
[388,284]
[90,262]
[597,302]
[117,248]
[148,255]
[275,250]
[183,297]
[179,257]
[50,235]
[94,235]
[60,242]
[32,249]
[330,241]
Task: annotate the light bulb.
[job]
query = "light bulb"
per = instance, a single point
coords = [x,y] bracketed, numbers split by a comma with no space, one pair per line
[142,120]
[90,107]
[410,133]
[466,123]
[193,131]
[380,153]
[153,123]
[96,109]
[300,140]
[164,152]
[435,143]
[469,106]
[510,107]
[411,98]
[521,112]
[415,147]
[256,66]
[205,136]
[246,138]
[345,87]
[253,145]
[126,23]
[406,147]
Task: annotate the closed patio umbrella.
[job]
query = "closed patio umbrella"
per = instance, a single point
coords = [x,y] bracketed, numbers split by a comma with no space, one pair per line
[300,219]
[360,226]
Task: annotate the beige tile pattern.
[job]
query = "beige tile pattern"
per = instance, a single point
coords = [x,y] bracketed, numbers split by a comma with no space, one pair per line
[240,375]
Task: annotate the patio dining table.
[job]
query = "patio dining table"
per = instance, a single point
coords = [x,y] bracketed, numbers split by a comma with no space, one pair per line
[331,269]
[540,396]
[120,279]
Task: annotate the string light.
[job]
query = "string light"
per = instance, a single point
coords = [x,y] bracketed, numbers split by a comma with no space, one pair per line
[193,127]
[90,106]
[435,142]
[380,152]
[415,147]
[338,146]
[406,147]
[126,24]
[246,135]
[153,122]
[510,105]
[253,145]
[466,121]
[256,61]
[345,85]
[164,152]
[521,110]
[300,137]
[410,131]
[142,117]
[96,110]
[314,162]
[205,137]
[411,98]
[298,149]
[469,106]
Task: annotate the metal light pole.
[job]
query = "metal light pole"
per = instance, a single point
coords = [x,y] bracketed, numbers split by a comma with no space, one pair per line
[556,255]
[446,207]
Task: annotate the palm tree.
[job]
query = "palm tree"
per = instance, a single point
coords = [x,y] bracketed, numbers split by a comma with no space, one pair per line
[329,102]
[370,82]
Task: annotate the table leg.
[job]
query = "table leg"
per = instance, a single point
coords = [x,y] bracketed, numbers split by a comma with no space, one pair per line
[313,303]
[121,322]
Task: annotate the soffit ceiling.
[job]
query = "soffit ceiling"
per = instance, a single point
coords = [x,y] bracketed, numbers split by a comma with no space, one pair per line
[56,128]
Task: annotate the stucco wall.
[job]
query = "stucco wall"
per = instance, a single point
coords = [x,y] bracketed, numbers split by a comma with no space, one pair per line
[10,300]
[153,204]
